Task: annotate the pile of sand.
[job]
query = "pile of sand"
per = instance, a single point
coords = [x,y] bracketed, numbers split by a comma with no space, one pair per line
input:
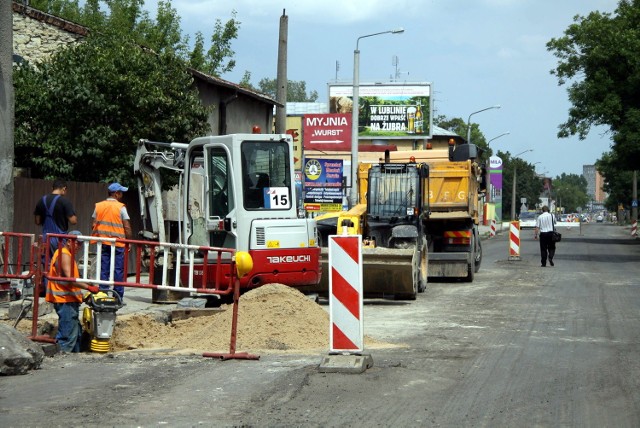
[271,317]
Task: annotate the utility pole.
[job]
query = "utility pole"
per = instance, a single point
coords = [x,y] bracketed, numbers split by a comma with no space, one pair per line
[281,90]
[6,116]
[634,203]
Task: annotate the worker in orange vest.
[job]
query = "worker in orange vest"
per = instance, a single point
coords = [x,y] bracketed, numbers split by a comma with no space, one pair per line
[111,220]
[66,296]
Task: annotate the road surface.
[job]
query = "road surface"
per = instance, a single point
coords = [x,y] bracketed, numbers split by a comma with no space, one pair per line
[520,346]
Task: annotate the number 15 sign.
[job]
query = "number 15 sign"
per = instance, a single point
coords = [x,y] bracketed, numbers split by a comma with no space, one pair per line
[277,198]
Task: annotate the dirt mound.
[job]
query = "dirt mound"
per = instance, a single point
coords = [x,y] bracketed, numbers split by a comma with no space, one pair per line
[271,317]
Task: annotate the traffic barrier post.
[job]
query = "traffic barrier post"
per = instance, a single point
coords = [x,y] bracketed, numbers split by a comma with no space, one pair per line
[345,294]
[492,231]
[514,240]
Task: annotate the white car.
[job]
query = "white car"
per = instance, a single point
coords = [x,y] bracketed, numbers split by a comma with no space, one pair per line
[527,220]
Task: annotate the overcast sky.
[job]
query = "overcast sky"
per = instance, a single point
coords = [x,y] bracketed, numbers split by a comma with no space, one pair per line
[476,53]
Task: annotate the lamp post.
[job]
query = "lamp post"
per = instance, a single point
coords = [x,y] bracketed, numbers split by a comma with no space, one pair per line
[353,195]
[469,120]
[513,190]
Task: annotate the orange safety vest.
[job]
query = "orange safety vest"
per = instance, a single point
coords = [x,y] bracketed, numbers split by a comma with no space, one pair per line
[109,222]
[62,292]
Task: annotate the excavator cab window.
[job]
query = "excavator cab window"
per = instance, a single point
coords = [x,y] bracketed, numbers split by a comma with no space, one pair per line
[266,175]
[219,175]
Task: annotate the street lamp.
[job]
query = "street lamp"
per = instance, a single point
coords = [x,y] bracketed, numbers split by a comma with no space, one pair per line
[353,196]
[513,190]
[469,120]
[495,138]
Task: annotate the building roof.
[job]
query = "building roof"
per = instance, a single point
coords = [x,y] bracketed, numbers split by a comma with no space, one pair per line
[230,85]
[48,19]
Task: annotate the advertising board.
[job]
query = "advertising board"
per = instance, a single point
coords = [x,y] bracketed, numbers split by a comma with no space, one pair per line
[327,132]
[389,111]
[323,187]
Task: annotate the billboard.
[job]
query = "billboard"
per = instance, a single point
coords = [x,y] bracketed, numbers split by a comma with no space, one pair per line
[323,187]
[294,128]
[387,111]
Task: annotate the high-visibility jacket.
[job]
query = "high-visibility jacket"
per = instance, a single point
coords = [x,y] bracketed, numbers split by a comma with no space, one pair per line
[62,292]
[109,222]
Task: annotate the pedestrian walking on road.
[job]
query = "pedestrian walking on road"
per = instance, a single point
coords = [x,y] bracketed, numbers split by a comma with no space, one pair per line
[111,220]
[67,296]
[544,231]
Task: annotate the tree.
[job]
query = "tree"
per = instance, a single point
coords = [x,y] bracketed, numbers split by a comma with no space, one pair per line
[296,90]
[616,182]
[528,184]
[598,58]
[570,192]
[80,115]
[162,35]
[6,118]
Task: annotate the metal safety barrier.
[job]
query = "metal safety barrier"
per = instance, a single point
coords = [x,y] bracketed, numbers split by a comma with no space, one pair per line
[192,270]
[13,246]
[192,264]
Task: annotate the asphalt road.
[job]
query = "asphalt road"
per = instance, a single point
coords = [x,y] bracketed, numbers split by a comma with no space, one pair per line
[520,346]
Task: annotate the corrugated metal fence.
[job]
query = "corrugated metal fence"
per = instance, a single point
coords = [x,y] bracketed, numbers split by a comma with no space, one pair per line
[83,196]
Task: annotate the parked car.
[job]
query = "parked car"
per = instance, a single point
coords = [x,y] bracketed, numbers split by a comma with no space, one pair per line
[527,220]
[599,219]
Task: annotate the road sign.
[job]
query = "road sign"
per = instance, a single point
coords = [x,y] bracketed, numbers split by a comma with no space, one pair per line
[327,132]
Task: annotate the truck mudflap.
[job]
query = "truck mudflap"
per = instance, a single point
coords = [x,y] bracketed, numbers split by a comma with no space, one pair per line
[451,265]
[386,273]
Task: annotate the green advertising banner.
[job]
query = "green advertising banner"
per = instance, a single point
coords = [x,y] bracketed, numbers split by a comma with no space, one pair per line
[389,111]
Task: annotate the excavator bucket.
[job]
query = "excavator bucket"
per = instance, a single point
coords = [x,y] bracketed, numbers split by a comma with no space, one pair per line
[386,273]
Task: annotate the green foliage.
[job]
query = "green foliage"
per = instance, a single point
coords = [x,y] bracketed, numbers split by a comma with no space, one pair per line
[296,90]
[528,184]
[246,81]
[570,192]
[598,59]
[617,182]
[80,115]
[216,59]
[162,35]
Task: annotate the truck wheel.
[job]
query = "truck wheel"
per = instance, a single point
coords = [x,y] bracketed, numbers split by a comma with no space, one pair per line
[471,266]
[478,258]
[470,272]
[423,265]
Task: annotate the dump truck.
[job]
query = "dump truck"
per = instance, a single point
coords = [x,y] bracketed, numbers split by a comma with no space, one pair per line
[451,214]
[419,220]
[233,191]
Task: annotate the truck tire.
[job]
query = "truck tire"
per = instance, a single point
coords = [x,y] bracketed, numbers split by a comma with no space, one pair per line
[471,266]
[423,266]
[478,257]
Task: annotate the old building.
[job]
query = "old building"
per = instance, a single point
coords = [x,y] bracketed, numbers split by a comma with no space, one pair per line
[38,35]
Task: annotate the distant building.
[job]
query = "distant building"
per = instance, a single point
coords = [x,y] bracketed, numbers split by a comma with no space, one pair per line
[595,182]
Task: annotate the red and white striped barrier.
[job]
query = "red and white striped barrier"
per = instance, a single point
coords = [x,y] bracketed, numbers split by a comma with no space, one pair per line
[346,331]
[634,229]
[514,240]
[492,231]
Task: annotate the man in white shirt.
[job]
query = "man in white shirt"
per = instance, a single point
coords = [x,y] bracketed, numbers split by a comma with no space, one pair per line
[544,230]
